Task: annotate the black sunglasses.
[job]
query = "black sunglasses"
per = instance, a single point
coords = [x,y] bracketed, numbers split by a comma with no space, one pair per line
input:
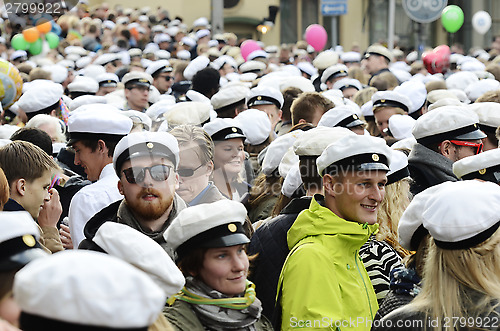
[186,172]
[159,173]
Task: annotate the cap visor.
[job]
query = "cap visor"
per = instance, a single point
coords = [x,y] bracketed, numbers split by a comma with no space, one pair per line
[478,134]
[21,259]
[355,123]
[234,135]
[227,241]
[373,166]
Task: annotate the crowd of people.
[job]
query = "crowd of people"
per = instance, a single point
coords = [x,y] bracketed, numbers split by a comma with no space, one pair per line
[154,178]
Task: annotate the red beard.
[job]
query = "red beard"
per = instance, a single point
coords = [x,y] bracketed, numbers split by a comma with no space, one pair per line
[150,210]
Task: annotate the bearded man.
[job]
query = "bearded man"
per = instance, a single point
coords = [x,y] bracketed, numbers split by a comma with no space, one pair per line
[146,165]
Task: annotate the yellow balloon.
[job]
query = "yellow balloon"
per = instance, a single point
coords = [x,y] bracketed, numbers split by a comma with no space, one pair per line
[11,84]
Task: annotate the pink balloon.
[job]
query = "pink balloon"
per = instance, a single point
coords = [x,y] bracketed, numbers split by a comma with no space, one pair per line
[316,36]
[247,47]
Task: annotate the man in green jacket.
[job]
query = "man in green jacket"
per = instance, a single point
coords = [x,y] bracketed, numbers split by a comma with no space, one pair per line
[323,284]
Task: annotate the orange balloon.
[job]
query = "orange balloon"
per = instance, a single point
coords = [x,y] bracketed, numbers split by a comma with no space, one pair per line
[31,35]
[44,27]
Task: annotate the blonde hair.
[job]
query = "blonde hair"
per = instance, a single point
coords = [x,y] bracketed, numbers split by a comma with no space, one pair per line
[363,96]
[451,275]
[397,198]
[39,120]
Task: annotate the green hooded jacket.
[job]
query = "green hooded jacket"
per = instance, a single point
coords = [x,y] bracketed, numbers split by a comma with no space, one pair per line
[324,283]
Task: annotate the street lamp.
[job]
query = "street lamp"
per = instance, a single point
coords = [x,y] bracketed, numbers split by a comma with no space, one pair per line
[268,23]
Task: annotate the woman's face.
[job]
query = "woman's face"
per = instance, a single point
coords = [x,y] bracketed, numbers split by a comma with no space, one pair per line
[229,155]
[9,310]
[225,269]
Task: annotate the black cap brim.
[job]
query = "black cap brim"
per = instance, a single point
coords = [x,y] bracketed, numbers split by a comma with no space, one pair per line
[21,259]
[478,134]
[227,241]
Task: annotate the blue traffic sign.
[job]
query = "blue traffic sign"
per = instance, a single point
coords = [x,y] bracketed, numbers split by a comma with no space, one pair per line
[333,7]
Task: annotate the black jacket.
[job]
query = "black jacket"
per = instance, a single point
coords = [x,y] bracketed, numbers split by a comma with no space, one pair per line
[269,242]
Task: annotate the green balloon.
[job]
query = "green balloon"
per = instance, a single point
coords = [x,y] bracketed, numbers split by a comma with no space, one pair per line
[19,43]
[52,39]
[36,47]
[452,18]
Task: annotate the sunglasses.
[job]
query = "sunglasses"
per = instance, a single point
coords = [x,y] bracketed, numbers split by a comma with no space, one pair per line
[167,78]
[478,147]
[136,175]
[186,172]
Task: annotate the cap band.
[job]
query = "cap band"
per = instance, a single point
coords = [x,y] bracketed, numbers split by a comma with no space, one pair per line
[30,322]
[389,103]
[491,174]
[469,242]
[341,73]
[160,70]
[263,100]
[348,120]
[397,176]
[360,162]
[230,106]
[224,133]
[144,149]
[487,129]
[201,239]
[108,82]
[378,54]
[17,245]
[447,135]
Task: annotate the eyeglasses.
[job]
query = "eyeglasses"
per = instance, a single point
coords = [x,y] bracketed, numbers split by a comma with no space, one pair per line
[478,147]
[136,175]
[167,78]
[186,172]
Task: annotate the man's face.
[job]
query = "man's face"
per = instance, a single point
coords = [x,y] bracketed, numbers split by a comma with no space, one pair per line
[163,82]
[88,159]
[191,164]
[349,92]
[382,116]
[137,97]
[455,150]
[272,111]
[357,196]
[374,63]
[37,192]
[103,90]
[149,199]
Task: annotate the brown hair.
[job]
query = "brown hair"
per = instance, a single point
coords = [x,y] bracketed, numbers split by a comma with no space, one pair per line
[305,106]
[263,188]
[22,159]
[289,95]
[386,81]
[92,144]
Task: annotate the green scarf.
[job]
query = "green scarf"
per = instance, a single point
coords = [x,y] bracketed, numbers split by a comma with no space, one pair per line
[232,303]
